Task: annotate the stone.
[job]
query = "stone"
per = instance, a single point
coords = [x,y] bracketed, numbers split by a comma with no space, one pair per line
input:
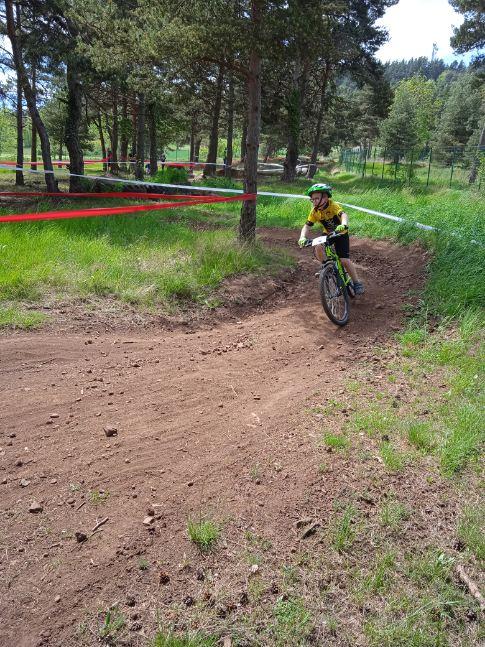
[35,507]
[24,482]
[110,430]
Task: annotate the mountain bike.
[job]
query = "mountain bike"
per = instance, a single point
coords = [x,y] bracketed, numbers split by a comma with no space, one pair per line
[334,283]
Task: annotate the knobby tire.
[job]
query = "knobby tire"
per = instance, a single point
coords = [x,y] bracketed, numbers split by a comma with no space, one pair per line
[333,294]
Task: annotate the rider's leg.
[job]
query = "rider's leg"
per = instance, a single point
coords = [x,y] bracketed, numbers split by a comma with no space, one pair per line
[320,253]
[350,269]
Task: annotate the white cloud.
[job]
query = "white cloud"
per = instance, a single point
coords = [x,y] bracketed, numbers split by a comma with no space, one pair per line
[414,25]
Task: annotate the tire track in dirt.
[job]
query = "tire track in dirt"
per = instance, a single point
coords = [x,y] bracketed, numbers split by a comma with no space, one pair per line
[197,411]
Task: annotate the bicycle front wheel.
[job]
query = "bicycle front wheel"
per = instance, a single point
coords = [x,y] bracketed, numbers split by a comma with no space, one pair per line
[335,300]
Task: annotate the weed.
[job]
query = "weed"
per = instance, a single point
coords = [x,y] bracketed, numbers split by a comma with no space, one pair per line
[421,436]
[335,442]
[378,579]
[392,459]
[291,575]
[392,514]
[113,622]
[374,421]
[163,639]
[203,533]
[293,622]
[98,496]
[255,472]
[256,589]
[343,534]
[143,564]
[471,530]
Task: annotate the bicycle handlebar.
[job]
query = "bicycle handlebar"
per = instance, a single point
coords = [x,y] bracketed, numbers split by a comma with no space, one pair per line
[321,240]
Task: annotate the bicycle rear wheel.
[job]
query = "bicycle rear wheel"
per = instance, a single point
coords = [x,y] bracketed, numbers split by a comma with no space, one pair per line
[333,293]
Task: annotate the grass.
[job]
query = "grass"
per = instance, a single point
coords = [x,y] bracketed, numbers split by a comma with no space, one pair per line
[17,317]
[113,622]
[471,531]
[343,532]
[335,442]
[147,260]
[293,623]
[163,639]
[392,514]
[97,498]
[204,533]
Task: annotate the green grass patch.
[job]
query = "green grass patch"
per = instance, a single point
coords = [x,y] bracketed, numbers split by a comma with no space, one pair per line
[392,514]
[336,441]
[293,623]
[471,530]
[344,532]
[139,259]
[163,639]
[16,317]
[204,533]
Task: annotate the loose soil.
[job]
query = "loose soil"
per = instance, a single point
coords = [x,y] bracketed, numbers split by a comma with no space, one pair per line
[210,419]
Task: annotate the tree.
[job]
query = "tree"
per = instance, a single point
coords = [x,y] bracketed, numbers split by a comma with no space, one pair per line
[29,94]
[412,116]
[470,35]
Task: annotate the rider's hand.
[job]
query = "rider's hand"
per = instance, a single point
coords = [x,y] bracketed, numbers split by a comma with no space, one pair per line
[340,229]
[303,241]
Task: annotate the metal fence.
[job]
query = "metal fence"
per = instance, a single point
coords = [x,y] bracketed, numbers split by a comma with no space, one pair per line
[455,167]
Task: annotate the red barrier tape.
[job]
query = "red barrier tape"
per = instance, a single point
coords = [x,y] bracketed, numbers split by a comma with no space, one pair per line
[107,211]
[111,194]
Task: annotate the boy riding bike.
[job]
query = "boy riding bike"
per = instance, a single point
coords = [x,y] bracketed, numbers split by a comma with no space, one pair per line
[330,216]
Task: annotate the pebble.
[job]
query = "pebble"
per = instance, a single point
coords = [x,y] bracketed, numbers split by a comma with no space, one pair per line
[80,537]
[110,430]
[35,507]
[24,482]
[57,598]
[147,521]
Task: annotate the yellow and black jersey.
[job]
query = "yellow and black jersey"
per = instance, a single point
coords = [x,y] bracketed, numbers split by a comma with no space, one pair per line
[329,217]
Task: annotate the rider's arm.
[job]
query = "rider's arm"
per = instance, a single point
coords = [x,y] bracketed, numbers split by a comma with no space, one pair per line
[306,230]
[345,218]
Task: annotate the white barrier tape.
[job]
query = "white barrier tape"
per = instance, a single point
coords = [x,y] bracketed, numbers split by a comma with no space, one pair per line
[296,196]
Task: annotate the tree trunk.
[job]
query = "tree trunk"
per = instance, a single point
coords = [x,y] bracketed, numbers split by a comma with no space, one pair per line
[60,154]
[193,127]
[19,175]
[140,138]
[115,133]
[33,137]
[29,95]
[197,143]
[230,128]
[476,160]
[99,124]
[124,133]
[134,122]
[73,122]
[210,168]
[247,222]
[152,125]
[244,136]
[294,120]
[318,130]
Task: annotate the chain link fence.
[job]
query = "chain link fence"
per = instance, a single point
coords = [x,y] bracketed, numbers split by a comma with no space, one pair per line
[456,167]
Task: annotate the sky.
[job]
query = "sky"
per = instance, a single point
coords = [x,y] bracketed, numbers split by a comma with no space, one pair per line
[414,25]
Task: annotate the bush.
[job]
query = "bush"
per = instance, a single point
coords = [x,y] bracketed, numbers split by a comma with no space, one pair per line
[171,175]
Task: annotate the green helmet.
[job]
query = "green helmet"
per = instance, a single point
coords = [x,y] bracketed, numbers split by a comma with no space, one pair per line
[323,188]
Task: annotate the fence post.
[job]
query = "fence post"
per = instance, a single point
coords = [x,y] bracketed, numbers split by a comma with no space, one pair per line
[373,161]
[383,164]
[452,165]
[395,165]
[429,166]
[410,167]
[365,160]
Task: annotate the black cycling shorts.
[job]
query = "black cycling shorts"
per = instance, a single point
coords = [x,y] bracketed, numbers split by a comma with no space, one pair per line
[342,246]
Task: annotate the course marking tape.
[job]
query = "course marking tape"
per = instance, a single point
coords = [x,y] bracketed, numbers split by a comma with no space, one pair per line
[111,211]
[294,196]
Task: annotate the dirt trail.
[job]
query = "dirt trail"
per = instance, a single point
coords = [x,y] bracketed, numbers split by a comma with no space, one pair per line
[198,411]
